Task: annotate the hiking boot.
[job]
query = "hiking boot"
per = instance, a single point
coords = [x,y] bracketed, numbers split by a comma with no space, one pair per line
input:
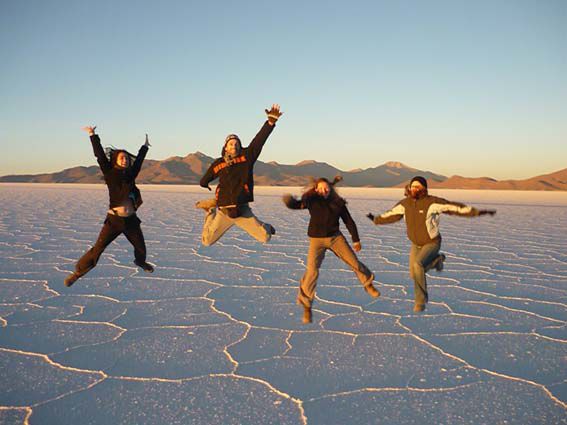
[418,307]
[72,278]
[147,267]
[206,204]
[307,316]
[439,262]
[372,291]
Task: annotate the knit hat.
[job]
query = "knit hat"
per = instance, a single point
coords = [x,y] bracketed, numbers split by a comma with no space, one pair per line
[419,179]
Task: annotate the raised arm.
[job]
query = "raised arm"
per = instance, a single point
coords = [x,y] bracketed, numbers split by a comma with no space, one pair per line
[101,158]
[137,166]
[351,226]
[256,145]
[391,216]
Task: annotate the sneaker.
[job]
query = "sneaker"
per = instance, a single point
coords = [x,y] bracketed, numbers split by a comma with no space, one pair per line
[147,267]
[418,307]
[307,316]
[372,291]
[72,278]
[206,204]
[439,263]
[272,230]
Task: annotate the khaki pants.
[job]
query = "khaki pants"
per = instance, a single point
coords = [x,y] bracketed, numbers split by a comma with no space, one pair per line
[217,223]
[317,249]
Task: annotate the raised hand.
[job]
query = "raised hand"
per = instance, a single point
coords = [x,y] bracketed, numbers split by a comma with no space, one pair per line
[89,129]
[147,144]
[357,246]
[273,114]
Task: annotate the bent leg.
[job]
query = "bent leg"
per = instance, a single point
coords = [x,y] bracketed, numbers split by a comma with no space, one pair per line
[254,227]
[216,225]
[420,259]
[110,231]
[315,257]
[342,249]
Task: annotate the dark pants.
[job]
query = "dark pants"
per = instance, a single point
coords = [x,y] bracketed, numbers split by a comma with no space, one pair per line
[421,260]
[113,227]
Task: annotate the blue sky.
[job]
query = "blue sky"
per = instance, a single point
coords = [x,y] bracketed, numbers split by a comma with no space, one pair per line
[456,87]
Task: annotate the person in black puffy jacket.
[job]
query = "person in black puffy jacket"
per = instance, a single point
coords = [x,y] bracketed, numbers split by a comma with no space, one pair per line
[120,169]
[235,190]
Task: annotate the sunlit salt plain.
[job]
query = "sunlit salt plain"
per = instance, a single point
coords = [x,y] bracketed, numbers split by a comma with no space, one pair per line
[214,335]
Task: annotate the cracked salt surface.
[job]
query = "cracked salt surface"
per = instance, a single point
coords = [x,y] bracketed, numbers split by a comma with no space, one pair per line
[214,335]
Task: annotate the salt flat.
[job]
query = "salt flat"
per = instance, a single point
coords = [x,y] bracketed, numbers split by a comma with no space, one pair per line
[214,335]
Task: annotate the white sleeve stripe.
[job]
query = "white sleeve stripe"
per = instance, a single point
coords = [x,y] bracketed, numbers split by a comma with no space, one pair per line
[439,208]
[397,210]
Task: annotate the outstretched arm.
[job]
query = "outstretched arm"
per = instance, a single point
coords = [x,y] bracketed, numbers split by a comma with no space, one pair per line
[391,216]
[456,208]
[255,147]
[137,166]
[101,158]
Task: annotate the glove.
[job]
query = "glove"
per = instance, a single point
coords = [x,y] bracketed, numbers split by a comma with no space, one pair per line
[484,212]
[273,114]
[370,216]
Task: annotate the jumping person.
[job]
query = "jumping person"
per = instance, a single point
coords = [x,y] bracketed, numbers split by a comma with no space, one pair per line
[235,189]
[120,170]
[421,212]
[325,208]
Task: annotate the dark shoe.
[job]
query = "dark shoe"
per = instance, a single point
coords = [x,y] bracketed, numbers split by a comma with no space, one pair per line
[307,316]
[72,278]
[439,262]
[272,230]
[418,307]
[206,204]
[372,291]
[147,267]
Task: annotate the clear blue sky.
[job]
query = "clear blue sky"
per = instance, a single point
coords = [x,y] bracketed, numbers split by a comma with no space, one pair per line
[476,88]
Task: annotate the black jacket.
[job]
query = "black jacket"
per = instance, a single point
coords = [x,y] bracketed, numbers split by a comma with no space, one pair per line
[236,181]
[325,213]
[120,182]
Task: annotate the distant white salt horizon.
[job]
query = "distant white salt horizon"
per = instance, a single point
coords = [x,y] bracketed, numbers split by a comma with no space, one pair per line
[501,197]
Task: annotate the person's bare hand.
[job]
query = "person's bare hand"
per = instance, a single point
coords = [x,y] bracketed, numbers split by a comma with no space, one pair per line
[147,144]
[89,129]
[357,246]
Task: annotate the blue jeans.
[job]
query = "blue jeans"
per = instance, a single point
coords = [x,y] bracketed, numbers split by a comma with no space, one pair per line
[420,260]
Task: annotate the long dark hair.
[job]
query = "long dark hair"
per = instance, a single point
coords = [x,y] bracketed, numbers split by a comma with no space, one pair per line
[112,155]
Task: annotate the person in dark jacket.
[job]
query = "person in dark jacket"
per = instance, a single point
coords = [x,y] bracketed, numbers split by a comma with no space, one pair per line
[120,170]
[422,213]
[235,189]
[325,208]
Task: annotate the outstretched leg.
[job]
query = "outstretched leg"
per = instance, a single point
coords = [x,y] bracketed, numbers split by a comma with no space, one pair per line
[343,250]
[111,228]
[248,222]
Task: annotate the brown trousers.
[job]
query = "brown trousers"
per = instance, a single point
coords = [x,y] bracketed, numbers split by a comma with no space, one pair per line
[315,257]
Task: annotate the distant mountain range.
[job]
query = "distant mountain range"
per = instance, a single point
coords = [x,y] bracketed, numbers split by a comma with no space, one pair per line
[189,169]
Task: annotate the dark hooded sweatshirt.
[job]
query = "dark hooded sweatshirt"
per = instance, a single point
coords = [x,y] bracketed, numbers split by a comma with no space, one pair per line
[120,181]
[325,214]
[236,180]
